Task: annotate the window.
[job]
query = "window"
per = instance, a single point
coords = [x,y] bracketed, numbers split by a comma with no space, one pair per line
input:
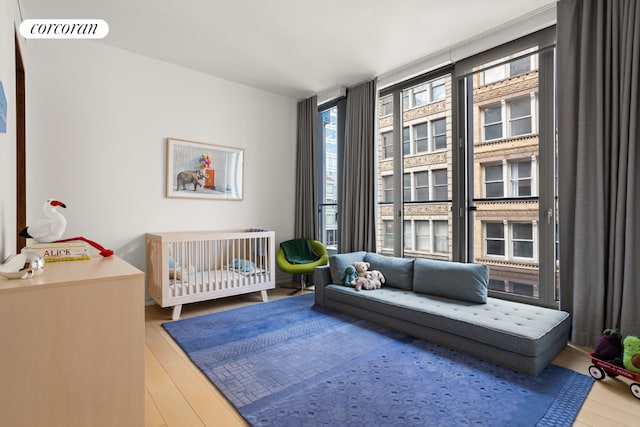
[480,197]
[406,179]
[423,236]
[422,185]
[440,185]
[439,134]
[520,175]
[510,240]
[426,237]
[518,113]
[387,145]
[509,69]
[520,116]
[388,234]
[521,178]
[494,181]
[438,89]
[330,137]
[387,106]
[495,239]
[387,182]
[406,141]
[492,123]
[522,240]
[424,93]
[441,236]
[421,137]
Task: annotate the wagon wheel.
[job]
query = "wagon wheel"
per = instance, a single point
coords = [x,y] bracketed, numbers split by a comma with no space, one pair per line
[635,390]
[596,372]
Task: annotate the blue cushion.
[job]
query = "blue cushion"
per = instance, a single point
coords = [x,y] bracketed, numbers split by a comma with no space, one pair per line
[397,272]
[338,262]
[242,265]
[455,280]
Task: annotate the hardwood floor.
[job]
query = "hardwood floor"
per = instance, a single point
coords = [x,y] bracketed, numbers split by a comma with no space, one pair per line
[178,394]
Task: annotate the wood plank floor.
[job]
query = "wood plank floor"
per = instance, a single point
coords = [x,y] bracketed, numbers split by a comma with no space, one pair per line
[179,395]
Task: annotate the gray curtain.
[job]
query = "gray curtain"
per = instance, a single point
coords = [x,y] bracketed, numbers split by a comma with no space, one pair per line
[357,205]
[598,51]
[306,199]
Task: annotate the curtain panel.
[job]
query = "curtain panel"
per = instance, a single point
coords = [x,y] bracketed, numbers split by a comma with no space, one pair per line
[306,199]
[357,201]
[598,51]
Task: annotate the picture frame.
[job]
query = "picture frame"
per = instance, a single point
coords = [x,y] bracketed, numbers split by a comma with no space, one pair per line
[204,171]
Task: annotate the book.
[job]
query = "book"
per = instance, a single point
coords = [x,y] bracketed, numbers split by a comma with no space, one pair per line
[68,258]
[65,251]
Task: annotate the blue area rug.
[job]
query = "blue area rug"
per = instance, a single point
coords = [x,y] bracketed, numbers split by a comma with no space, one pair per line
[289,363]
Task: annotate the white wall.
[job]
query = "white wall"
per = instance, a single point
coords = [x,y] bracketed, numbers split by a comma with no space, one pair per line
[97,121]
[9,15]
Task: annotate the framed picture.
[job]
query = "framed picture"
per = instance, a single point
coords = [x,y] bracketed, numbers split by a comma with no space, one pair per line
[204,171]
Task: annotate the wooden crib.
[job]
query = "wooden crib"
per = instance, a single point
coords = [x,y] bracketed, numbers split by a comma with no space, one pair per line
[184,267]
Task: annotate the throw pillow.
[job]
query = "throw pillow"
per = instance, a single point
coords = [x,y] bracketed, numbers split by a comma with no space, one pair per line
[455,280]
[338,262]
[397,272]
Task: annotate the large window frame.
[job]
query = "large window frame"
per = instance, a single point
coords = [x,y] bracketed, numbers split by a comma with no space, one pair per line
[537,119]
[541,116]
[328,191]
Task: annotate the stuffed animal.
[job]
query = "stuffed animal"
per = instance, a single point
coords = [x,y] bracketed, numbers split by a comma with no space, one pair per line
[363,283]
[377,278]
[609,346]
[631,354]
[349,275]
[361,268]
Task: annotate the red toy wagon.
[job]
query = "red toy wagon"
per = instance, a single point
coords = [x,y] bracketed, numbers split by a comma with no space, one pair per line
[601,369]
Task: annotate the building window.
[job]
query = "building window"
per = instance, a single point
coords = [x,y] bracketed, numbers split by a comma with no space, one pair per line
[387,106]
[440,184]
[416,186]
[424,137]
[509,69]
[422,185]
[520,176]
[423,236]
[519,116]
[421,138]
[493,181]
[406,141]
[522,240]
[509,119]
[388,234]
[510,240]
[426,236]
[425,93]
[492,122]
[387,182]
[387,145]
[494,232]
[406,183]
[439,134]
[438,90]
[441,237]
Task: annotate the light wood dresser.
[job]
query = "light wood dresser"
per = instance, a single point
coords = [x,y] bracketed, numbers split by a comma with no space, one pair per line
[72,346]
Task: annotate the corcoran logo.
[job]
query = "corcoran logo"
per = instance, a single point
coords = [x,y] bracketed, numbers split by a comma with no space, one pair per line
[64,29]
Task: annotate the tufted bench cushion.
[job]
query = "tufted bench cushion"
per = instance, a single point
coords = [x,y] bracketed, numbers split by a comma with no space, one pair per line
[515,327]
[446,303]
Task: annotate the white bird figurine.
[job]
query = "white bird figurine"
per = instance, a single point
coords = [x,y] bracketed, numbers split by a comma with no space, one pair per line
[49,229]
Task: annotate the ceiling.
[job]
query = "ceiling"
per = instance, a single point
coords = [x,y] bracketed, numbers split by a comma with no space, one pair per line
[291,47]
